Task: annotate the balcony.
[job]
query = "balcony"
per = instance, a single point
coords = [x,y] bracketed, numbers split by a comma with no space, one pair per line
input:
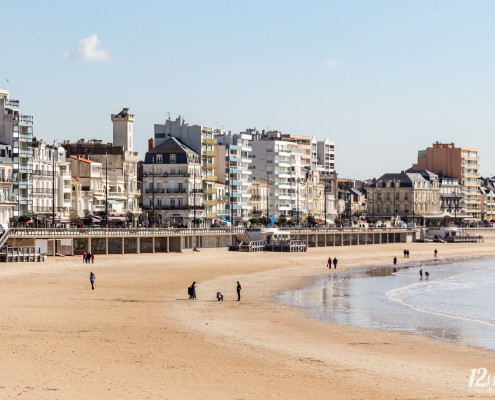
[116,195]
[8,199]
[210,191]
[211,202]
[210,153]
[210,165]
[209,142]
[178,190]
[211,215]
[165,174]
[156,190]
[25,120]
[211,178]
[25,169]
[173,207]
[233,183]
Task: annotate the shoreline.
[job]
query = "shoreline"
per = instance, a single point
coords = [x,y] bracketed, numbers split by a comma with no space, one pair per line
[134,337]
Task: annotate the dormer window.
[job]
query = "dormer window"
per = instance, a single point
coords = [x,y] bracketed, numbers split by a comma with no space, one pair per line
[158,158]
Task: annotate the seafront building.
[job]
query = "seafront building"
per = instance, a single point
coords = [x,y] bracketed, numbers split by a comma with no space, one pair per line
[7,199]
[232,170]
[200,139]
[406,195]
[487,190]
[118,162]
[51,184]
[460,163]
[16,130]
[173,188]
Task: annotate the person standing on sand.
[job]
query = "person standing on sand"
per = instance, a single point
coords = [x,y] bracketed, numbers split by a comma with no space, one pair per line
[92,258]
[421,273]
[193,291]
[435,252]
[335,261]
[329,263]
[405,253]
[84,257]
[92,280]
[238,291]
[395,261]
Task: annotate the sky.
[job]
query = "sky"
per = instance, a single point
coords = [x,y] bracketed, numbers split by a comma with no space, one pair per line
[381,79]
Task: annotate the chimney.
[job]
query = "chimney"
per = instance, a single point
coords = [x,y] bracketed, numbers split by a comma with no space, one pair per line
[78,166]
[151,144]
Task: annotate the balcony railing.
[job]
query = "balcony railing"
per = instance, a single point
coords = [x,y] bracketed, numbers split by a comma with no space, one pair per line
[174,207]
[156,190]
[8,199]
[164,174]
[179,190]
[117,195]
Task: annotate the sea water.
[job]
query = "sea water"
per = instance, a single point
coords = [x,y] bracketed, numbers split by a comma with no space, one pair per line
[456,302]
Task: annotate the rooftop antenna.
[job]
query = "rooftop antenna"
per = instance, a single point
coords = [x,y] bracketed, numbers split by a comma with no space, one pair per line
[217,125]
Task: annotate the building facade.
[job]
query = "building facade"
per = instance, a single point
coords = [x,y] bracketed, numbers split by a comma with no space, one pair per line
[408,196]
[173,188]
[16,130]
[460,163]
[200,139]
[7,198]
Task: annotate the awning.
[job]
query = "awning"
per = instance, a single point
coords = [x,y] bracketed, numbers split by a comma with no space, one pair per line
[111,201]
[117,219]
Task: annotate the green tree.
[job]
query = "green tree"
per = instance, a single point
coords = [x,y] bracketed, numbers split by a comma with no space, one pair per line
[282,220]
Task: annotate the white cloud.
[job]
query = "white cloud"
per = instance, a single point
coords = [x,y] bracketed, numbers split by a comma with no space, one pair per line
[90,49]
[330,63]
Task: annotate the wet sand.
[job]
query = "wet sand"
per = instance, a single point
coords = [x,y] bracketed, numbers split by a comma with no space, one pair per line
[137,336]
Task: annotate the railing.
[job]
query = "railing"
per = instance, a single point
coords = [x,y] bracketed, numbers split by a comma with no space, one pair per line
[8,199]
[180,190]
[150,173]
[74,232]
[156,190]
[119,195]
[26,119]
[174,207]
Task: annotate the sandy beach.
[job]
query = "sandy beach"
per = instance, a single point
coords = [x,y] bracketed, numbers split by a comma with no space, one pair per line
[137,336]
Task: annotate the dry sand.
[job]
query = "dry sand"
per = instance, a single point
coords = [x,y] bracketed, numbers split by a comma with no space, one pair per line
[136,336]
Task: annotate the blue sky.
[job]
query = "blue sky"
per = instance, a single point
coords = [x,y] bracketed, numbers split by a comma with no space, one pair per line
[382,79]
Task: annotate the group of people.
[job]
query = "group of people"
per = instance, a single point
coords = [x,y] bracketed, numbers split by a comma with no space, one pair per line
[330,262]
[88,258]
[191,291]
[406,253]
[427,274]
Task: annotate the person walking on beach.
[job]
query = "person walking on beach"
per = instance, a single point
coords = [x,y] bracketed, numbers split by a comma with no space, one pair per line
[427,275]
[92,280]
[421,274]
[84,257]
[435,252]
[192,294]
[405,253]
[395,261]
[335,261]
[238,291]
[329,263]
[92,258]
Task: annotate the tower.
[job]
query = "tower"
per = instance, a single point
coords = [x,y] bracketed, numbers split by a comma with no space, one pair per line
[122,129]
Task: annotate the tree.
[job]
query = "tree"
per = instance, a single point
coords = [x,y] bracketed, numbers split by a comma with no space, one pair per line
[74,218]
[24,218]
[88,218]
[311,221]
[282,220]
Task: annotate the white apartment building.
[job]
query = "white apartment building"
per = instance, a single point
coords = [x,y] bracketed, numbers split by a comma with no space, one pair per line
[232,170]
[278,162]
[200,139]
[7,199]
[326,157]
[51,183]
[16,130]
[172,185]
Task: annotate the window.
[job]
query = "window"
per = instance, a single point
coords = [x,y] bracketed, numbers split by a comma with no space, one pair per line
[173,158]
[388,196]
[158,158]
[397,196]
[172,203]
[180,202]
[406,196]
[388,208]
[379,196]
[159,202]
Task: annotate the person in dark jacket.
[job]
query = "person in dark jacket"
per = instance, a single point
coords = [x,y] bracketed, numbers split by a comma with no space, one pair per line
[238,291]
[92,280]
[335,261]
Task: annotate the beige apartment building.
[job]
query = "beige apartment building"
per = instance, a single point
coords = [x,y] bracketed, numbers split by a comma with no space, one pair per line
[408,196]
[460,163]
